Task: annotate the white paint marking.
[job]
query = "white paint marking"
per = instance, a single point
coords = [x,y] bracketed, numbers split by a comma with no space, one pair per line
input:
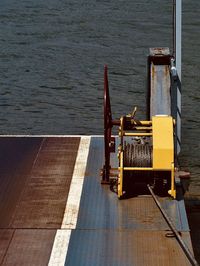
[73,201]
[48,136]
[60,247]
[62,238]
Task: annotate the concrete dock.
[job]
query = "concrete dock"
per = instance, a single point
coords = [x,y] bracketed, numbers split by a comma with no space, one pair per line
[54,211]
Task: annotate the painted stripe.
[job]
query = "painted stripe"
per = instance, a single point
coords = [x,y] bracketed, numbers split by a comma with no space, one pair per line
[62,238]
[73,201]
[60,247]
[48,136]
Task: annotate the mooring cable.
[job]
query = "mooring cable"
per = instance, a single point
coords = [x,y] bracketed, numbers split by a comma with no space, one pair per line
[174,230]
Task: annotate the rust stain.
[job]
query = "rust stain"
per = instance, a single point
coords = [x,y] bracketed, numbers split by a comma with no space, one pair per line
[35,176]
[30,247]
[35,180]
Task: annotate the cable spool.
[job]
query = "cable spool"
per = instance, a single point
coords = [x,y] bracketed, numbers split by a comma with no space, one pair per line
[137,155]
[141,155]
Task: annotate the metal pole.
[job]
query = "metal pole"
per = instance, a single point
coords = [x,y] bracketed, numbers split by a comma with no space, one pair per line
[174,27]
[178,49]
[178,34]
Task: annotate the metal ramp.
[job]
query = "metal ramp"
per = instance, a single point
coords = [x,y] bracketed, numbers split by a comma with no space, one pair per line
[36,179]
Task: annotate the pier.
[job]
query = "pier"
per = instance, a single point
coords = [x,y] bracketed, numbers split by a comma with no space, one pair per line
[54,211]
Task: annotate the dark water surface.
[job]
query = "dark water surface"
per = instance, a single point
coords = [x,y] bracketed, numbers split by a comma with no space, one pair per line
[52,55]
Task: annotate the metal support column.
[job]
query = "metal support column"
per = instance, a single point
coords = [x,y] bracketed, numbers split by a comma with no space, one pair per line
[177,54]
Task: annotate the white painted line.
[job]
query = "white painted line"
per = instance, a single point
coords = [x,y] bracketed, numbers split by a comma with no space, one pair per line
[62,238]
[48,136]
[60,247]
[40,136]
[72,207]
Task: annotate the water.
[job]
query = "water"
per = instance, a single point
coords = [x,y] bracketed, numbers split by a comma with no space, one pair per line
[51,65]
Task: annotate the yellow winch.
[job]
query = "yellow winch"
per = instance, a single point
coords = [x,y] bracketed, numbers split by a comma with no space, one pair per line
[147,150]
[155,136]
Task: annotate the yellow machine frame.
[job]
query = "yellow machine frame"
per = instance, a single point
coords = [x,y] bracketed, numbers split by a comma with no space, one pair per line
[161,129]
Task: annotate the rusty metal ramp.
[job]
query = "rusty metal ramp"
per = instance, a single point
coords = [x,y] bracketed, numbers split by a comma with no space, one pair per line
[35,176]
[54,211]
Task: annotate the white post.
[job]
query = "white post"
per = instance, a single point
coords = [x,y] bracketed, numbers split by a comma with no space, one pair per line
[178,34]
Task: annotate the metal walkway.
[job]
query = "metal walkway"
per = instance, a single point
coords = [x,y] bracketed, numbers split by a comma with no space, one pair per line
[37,225]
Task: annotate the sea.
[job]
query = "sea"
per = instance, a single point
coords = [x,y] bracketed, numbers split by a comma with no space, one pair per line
[52,57]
